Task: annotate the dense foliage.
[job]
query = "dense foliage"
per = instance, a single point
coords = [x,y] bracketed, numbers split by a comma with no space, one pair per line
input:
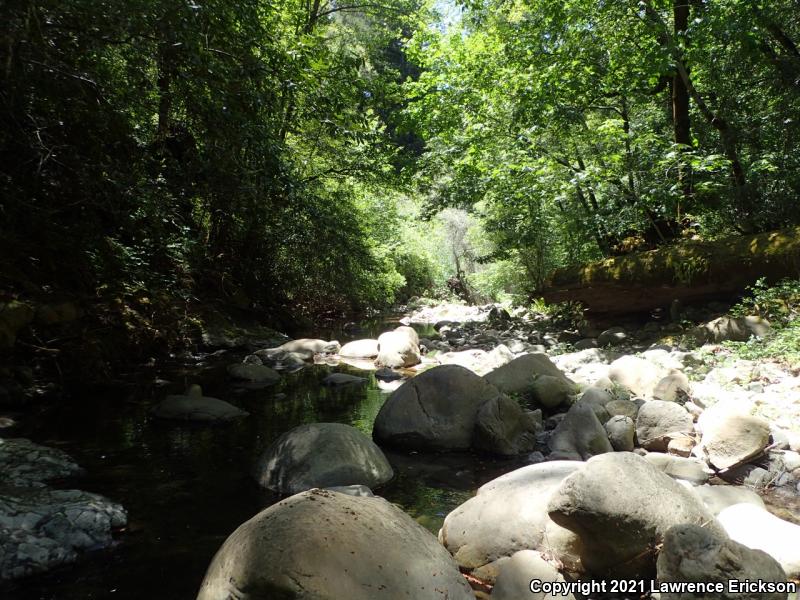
[243,150]
[298,155]
[582,128]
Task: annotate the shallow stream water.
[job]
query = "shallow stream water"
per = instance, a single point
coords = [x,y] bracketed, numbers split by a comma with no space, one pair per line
[187,487]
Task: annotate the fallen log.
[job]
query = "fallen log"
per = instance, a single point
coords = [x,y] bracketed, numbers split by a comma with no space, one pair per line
[692,271]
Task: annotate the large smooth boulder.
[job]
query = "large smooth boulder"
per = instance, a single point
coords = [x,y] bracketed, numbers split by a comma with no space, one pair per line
[694,553]
[657,422]
[360,349]
[322,455]
[734,439]
[398,348]
[193,406]
[321,545]
[517,376]
[636,374]
[579,436]
[439,409]
[509,514]
[756,528]
[515,576]
[621,506]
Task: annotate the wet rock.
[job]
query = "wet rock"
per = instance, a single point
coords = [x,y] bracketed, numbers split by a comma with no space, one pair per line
[386,374]
[360,349]
[658,422]
[322,455]
[337,379]
[620,531]
[518,375]
[579,435]
[734,440]
[44,528]
[509,514]
[271,557]
[193,406]
[26,464]
[756,528]
[253,373]
[515,575]
[621,431]
[694,553]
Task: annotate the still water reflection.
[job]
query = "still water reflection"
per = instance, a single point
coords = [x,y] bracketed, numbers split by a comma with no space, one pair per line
[187,488]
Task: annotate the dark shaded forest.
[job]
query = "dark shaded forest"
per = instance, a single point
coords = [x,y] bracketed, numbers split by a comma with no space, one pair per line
[310,159]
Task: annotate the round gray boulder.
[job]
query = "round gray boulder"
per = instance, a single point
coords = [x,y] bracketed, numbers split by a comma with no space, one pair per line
[509,514]
[322,455]
[437,409]
[579,435]
[621,506]
[321,545]
[658,422]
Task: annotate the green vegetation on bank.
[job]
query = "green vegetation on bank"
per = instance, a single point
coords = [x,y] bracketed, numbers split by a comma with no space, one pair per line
[316,158]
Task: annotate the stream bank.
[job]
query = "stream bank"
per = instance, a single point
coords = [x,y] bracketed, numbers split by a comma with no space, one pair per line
[186,487]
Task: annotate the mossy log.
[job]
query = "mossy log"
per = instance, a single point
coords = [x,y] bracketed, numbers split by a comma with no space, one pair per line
[693,271]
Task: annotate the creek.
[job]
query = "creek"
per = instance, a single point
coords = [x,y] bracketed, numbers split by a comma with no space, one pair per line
[187,487]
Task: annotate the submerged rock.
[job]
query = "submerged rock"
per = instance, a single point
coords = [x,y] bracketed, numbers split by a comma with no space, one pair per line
[193,406]
[322,455]
[328,546]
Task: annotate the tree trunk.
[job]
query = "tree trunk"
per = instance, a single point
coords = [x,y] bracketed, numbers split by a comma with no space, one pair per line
[680,103]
